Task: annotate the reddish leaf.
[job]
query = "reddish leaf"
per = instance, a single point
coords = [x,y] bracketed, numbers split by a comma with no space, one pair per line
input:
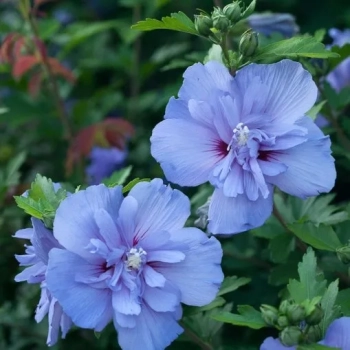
[41,47]
[38,3]
[7,47]
[58,69]
[35,84]
[110,132]
[23,65]
[18,47]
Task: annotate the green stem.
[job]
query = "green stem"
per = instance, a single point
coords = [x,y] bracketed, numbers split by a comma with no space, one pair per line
[194,337]
[68,133]
[301,245]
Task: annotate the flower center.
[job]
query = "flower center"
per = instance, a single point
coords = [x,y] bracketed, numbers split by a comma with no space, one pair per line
[134,258]
[240,136]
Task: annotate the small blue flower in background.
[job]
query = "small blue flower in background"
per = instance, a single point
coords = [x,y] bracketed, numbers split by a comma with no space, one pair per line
[337,335]
[339,77]
[244,134]
[36,260]
[269,23]
[131,260]
[63,16]
[103,162]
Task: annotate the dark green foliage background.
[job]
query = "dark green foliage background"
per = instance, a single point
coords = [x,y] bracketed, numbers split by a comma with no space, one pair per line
[120,73]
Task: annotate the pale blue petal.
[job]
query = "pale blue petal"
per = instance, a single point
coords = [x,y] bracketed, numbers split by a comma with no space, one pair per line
[233,215]
[160,209]
[121,320]
[271,168]
[233,184]
[187,151]
[107,228]
[198,277]
[201,111]
[152,277]
[126,223]
[338,333]
[153,331]
[88,307]
[311,169]
[162,299]
[201,80]
[274,344]
[75,225]
[177,109]
[43,240]
[168,256]
[291,91]
[54,320]
[124,302]
[25,233]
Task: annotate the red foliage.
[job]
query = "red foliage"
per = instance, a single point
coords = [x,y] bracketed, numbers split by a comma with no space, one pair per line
[110,132]
[23,57]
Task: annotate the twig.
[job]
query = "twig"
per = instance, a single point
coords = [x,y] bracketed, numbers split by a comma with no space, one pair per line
[302,246]
[52,80]
[194,337]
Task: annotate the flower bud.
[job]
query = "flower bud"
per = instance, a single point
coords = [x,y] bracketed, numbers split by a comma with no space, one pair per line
[269,314]
[343,254]
[233,12]
[249,43]
[203,25]
[296,313]
[284,305]
[315,317]
[282,321]
[290,336]
[220,21]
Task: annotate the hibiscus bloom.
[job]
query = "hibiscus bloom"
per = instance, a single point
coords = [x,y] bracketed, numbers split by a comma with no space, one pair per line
[245,135]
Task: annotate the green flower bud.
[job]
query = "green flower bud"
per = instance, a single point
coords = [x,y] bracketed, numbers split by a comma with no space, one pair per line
[296,313]
[314,334]
[282,321]
[269,314]
[249,43]
[220,21]
[315,317]
[233,12]
[343,254]
[290,336]
[284,305]
[203,25]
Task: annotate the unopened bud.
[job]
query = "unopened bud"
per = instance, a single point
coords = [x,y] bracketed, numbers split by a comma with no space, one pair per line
[315,317]
[284,305]
[202,213]
[343,254]
[282,321]
[203,25]
[296,313]
[233,12]
[249,43]
[269,314]
[290,336]
[220,21]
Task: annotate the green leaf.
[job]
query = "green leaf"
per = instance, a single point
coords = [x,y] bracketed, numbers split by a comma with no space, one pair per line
[343,300]
[42,200]
[133,182]
[311,284]
[48,27]
[80,32]
[12,173]
[328,305]
[280,247]
[322,237]
[315,110]
[217,302]
[118,177]
[30,206]
[299,46]
[177,21]
[315,347]
[232,283]
[343,52]
[249,10]
[319,34]
[248,317]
